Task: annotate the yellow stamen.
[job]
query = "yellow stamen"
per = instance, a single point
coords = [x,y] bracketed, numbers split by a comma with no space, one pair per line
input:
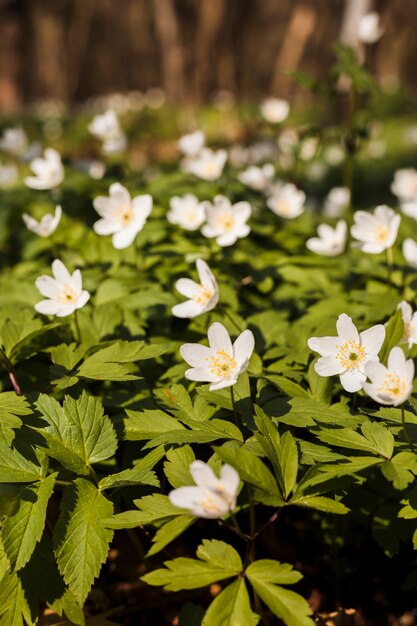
[222,364]
[350,354]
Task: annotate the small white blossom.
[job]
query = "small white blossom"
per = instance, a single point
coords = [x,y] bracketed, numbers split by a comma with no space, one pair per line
[336,201]
[221,363]
[8,175]
[331,241]
[14,141]
[286,200]
[410,252]
[64,291]
[226,222]
[275,110]
[121,216]
[369,29]
[203,297]
[391,385]
[348,353]
[377,231]
[46,226]
[257,178]
[410,323]
[190,145]
[334,155]
[404,185]
[186,211]
[409,208]
[106,127]
[49,171]
[208,164]
[212,497]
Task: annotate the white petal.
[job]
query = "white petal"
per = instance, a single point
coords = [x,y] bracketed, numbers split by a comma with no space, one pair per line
[223,383]
[47,307]
[124,238]
[328,366]
[406,310]
[195,354]
[203,475]
[143,205]
[352,380]
[373,338]
[242,211]
[397,362]
[47,286]
[243,347]
[187,287]
[346,329]
[325,346]
[187,309]
[120,194]
[230,478]
[205,274]
[200,374]
[82,300]
[375,371]
[219,338]
[106,227]
[60,272]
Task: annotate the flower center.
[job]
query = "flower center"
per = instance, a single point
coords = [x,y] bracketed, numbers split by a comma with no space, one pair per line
[190,215]
[226,221]
[222,364]
[203,295]
[381,234]
[67,295]
[124,214]
[283,207]
[393,386]
[350,354]
[211,168]
[210,505]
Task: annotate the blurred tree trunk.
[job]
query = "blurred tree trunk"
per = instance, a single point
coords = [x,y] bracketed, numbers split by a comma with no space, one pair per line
[9,62]
[166,24]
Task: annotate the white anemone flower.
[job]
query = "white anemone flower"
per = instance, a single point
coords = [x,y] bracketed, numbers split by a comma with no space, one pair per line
[377,231]
[47,224]
[186,211]
[348,353]
[49,171]
[336,202]
[106,126]
[14,141]
[410,252]
[409,208]
[369,29]
[208,164]
[275,110]
[64,291]
[404,185]
[202,296]
[191,144]
[410,324]
[257,178]
[212,497]
[221,363]
[286,200]
[121,216]
[391,385]
[330,241]
[226,222]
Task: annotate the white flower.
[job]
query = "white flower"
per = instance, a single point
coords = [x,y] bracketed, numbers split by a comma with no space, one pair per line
[410,208]
[331,241]
[190,145]
[286,200]
[404,185]
[275,110]
[334,155]
[8,175]
[336,201]
[64,291]
[212,497]
[202,297]
[208,164]
[257,178]
[122,216]
[49,171]
[375,231]
[410,252]
[348,353]
[221,363]
[369,29]
[14,141]
[186,211]
[107,128]
[225,221]
[393,384]
[410,324]
[46,226]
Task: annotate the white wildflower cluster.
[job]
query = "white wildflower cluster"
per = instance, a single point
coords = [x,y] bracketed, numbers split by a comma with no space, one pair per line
[106,127]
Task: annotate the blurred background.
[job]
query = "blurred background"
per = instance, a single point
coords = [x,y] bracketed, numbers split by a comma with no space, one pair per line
[189,51]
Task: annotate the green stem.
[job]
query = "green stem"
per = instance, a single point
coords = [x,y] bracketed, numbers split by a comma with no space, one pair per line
[407,436]
[232,397]
[226,313]
[390,262]
[10,369]
[77,327]
[253,534]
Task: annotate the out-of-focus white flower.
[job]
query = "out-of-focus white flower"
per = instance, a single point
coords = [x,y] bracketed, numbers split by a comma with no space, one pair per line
[262,151]
[239,155]
[288,140]
[409,208]
[186,211]
[208,164]
[122,216]
[106,127]
[190,145]
[334,155]
[376,148]
[391,385]
[222,363]
[212,497]
[275,110]
[316,170]
[14,141]
[225,221]
[336,202]
[257,178]
[49,171]
[348,353]
[331,241]
[369,29]
[410,135]
[96,170]
[308,148]
[8,175]
[64,291]
[375,231]
[286,200]
[410,252]
[404,185]
[203,297]
[410,323]
[46,226]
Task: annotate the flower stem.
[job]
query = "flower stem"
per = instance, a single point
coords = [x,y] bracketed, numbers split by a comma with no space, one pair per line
[10,369]
[226,313]
[253,534]
[407,436]
[390,262]
[77,327]
[232,397]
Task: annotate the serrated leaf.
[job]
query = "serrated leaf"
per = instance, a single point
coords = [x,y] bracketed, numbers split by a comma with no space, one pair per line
[380,437]
[16,468]
[140,474]
[394,330]
[16,609]
[81,540]
[288,460]
[177,466]
[321,503]
[146,424]
[170,531]
[114,362]
[152,509]
[12,407]
[231,607]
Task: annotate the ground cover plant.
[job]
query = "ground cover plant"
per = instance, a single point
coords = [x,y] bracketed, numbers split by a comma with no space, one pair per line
[199,391]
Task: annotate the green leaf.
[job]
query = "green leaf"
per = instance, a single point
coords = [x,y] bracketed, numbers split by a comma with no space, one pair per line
[16,468]
[394,330]
[400,470]
[170,531]
[177,466]
[320,386]
[381,438]
[12,407]
[202,432]
[152,509]
[24,527]
[321,503]
[78,434]
[289,387]
[140,474]
[215,561]
[81,540]
[115,362]
[16,609]
[231,607]
[146,424]
[288,460]
[347,438]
